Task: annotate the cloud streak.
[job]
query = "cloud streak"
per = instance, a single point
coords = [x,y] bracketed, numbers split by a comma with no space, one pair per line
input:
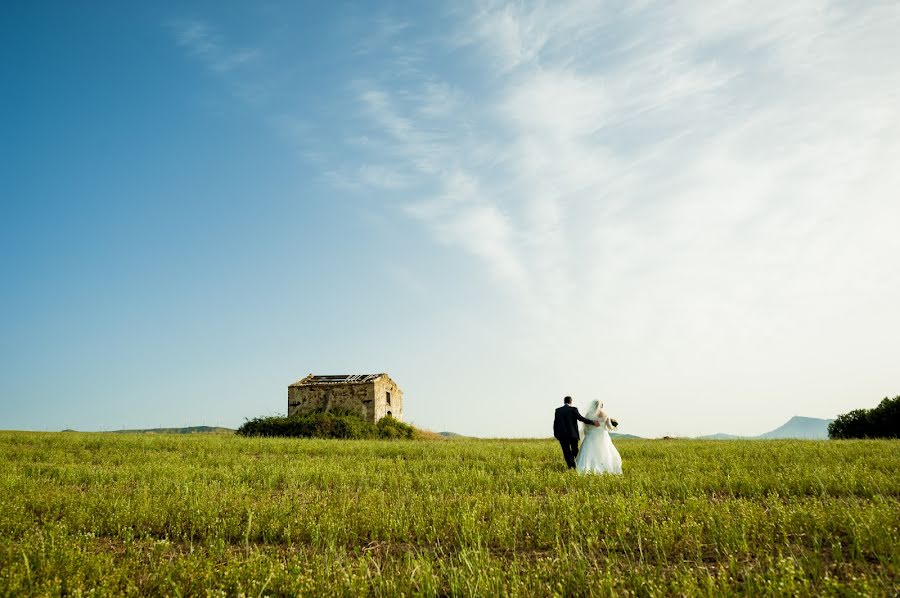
[204,42]
[644,179]
[714,137]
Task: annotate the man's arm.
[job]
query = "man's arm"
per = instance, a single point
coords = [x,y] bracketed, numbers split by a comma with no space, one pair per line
[584,419]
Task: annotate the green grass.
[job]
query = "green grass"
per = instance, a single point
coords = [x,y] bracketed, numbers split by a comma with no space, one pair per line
[192,515]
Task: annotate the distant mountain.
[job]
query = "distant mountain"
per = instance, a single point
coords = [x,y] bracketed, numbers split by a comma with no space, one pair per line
[811,428]
[450,435]
[621,435]
[801,427]
[188,430]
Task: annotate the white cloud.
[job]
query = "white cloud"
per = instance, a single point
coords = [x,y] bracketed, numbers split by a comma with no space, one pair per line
[676,175]
[382,32]
[692,198]
[557,104]
[203,41]
[195,35]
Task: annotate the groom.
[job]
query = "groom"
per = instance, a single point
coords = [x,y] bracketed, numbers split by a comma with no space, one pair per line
[565,429]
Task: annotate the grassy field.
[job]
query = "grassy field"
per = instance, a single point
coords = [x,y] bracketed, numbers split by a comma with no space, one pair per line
[224,515]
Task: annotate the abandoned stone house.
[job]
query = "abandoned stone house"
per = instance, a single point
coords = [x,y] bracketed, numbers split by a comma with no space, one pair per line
[371,395]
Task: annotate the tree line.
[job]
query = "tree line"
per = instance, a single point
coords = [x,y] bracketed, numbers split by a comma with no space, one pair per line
[881,422]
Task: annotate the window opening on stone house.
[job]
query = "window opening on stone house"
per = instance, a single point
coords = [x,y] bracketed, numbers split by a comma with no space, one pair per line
[388,397]
[390,414]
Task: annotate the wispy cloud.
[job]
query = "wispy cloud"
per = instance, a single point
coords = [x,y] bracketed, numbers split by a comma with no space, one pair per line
[719,155]
[380,33]
[697,186]
[590,153]
[204,42]
[195,35]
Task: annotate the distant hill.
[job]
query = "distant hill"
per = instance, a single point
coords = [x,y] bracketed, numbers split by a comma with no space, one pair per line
[188,430]
[801,427]
[812,428]
[621,435]
[450,435]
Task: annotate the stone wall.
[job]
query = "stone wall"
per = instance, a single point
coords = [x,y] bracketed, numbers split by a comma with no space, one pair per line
[327,397]
[373,400]
[383,386]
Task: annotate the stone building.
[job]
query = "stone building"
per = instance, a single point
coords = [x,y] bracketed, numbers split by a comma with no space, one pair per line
[371,395]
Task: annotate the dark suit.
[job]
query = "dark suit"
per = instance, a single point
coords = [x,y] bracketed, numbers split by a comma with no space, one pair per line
[565,429]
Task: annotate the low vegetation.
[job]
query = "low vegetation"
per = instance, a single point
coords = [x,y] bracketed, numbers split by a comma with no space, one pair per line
[230,515]
[328,425]
[881,422]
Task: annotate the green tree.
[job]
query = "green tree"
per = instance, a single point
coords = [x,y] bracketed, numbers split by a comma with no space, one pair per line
[881,422]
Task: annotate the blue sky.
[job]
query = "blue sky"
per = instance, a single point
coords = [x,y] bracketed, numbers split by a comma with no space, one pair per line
[688,211]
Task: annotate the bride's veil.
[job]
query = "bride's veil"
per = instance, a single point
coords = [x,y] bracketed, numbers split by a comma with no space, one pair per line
[590,413]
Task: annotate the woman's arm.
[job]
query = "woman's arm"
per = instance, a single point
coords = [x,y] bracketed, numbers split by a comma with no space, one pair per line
[604,417]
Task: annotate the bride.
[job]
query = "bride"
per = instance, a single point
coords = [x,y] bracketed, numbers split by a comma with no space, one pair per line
[597,454]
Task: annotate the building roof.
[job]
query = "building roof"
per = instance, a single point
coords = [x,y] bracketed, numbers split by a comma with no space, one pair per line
[314,380]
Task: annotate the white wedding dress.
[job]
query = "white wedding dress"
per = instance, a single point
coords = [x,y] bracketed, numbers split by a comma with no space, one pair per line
[597,453]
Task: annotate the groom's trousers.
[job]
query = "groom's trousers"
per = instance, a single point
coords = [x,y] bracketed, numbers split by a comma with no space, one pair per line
[570,450]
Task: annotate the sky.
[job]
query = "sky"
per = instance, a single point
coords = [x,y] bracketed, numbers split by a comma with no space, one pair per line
[687,210]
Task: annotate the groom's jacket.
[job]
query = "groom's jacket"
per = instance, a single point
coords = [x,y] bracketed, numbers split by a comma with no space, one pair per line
[565,422]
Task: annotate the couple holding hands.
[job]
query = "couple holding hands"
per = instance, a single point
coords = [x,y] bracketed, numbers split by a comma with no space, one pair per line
[597,454]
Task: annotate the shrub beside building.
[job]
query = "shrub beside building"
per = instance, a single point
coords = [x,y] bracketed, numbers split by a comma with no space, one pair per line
[334,424]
